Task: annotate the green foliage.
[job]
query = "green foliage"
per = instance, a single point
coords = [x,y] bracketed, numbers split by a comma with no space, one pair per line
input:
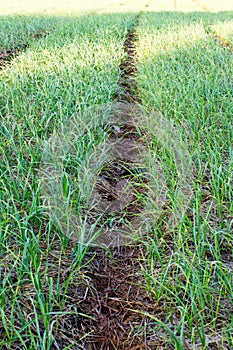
[186,74]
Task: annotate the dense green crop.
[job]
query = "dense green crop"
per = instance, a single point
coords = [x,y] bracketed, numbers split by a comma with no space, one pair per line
[55,80]
[186,75]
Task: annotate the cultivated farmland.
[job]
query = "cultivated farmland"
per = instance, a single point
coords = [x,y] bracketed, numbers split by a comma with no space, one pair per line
[116,175]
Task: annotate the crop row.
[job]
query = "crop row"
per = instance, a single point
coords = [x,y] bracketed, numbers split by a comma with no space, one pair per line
[55,80]
[186,75]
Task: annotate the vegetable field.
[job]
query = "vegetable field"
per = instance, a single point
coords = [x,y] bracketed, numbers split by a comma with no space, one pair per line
[116,185]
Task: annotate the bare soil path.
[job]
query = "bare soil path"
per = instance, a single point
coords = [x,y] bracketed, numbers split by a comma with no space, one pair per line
[113,294]
[6,56]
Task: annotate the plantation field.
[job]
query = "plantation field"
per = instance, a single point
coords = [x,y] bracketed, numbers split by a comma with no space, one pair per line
[116,126]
